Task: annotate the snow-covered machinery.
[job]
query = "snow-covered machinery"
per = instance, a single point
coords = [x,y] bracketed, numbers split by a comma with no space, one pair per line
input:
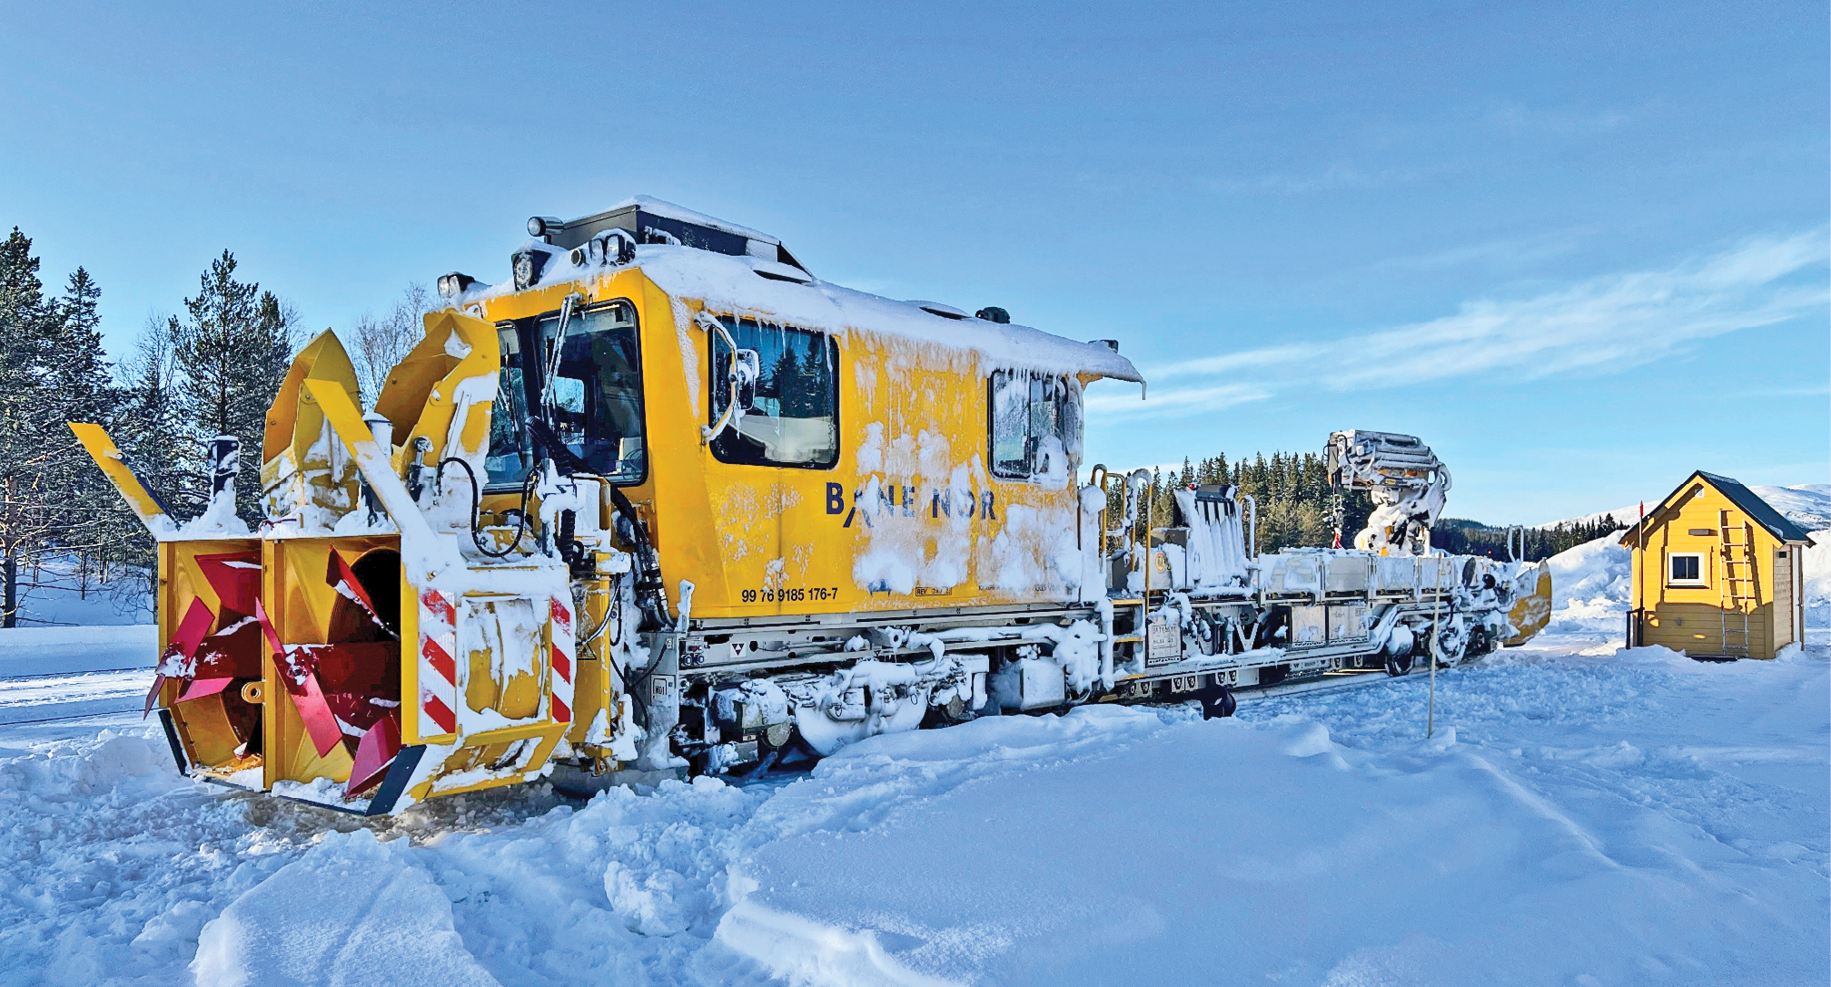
[1407,482]
[664,502]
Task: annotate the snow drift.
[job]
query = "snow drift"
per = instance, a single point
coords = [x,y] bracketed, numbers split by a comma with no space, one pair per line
[1657,819]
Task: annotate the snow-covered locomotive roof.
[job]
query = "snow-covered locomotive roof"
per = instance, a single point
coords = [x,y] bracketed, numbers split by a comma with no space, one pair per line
[755,276]
[734,285]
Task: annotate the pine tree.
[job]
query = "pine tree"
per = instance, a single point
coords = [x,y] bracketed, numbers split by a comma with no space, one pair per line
[82,392]
[29,449]
[147,426]
[232,353]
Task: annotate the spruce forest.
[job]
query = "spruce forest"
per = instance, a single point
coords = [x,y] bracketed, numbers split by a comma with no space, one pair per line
[210,371]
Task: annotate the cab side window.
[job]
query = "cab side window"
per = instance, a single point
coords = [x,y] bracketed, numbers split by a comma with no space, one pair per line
[510,453]
[1035,424]
[789,416]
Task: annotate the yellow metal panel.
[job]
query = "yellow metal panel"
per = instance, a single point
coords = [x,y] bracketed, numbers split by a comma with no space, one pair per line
[455,416]
[295,470]
[757,541]
[108,456]
[1530,613]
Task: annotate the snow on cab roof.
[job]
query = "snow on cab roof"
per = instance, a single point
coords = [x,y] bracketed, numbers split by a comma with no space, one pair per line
[732,285]
[733,279]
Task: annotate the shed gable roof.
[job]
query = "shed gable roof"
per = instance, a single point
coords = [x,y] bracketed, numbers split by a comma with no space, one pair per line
[1760,511]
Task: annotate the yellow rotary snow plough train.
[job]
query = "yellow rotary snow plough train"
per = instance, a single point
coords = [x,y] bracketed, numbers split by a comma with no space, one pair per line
[665,502]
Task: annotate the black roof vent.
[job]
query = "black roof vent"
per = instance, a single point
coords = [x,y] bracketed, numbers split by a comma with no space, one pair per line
[992,313]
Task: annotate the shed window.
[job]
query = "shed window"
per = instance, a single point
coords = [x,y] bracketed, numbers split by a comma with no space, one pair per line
[1687,569]
[1036,425]
[792,418]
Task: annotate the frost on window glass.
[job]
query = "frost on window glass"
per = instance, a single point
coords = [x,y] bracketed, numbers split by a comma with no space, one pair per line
[1036,425]
[792,418]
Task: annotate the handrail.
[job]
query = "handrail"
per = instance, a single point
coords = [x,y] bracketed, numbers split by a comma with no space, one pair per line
[1252,507]
[709,432]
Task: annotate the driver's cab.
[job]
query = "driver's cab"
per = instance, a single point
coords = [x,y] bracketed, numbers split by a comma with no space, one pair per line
[590,390]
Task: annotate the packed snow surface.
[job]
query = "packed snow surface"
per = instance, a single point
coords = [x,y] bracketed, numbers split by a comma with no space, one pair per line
[1637,818]
[1578,818]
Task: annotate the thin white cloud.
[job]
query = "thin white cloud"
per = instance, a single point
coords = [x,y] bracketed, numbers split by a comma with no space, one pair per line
[1339,175]
[1242,360]
[1190,399]
[1605,324]
[1507,253]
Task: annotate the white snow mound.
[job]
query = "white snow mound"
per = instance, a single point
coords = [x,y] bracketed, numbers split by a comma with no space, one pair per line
[349,909]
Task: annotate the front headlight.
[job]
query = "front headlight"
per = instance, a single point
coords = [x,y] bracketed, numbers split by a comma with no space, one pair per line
[454,284]
[526,266]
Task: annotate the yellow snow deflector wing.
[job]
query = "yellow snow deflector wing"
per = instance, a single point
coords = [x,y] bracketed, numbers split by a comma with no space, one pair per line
[444,388]
[1531,604]
[302,467]
[145,503]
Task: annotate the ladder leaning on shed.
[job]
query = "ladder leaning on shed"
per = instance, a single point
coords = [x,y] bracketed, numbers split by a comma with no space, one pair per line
[1740,592]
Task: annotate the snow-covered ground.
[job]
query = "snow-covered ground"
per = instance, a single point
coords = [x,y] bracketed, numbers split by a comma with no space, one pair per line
[56,590]
[1579,818]
[1634,819]
[57,672]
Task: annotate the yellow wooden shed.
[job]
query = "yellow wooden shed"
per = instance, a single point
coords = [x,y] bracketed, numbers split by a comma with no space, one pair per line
[1717,572]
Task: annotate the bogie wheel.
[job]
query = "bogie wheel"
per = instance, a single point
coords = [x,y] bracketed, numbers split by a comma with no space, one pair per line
[1453,644]
[1479,644]
[1397,665]
[1219,703]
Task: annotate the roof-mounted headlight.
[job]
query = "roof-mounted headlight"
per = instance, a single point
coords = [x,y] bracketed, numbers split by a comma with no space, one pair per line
[610,247]
[454,284]
[614,247]
[542,226]
[526,265]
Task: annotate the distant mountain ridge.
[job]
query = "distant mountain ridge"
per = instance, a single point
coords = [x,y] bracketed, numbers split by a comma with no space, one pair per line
[1806,504]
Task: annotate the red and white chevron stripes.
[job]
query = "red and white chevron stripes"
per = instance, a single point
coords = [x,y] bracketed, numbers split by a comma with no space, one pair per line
[564,645]
[438,667]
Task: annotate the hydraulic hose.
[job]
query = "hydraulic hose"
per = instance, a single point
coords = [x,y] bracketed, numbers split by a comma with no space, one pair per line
[476,507]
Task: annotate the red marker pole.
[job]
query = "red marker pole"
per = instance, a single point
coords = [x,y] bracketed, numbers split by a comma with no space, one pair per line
[1640,576]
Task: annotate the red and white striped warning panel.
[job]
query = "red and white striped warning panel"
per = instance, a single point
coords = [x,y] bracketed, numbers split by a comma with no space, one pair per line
[438,666]
[564,654]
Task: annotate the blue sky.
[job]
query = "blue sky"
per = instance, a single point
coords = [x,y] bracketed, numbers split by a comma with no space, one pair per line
[1580,248]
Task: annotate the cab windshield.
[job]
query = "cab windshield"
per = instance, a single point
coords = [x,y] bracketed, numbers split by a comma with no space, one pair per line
[595,400]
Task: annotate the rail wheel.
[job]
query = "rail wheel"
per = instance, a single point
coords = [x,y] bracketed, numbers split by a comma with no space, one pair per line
[1453,643]
[1397,665]
[1219,703]
[1479,644]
